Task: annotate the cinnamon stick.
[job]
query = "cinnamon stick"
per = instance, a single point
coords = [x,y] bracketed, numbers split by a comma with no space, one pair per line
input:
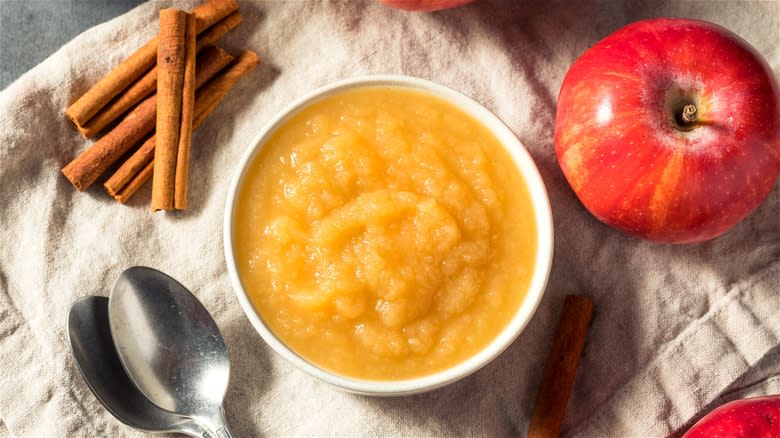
[148,83]
[211,11]
[218,30]
[182,168]
[120,185]
[112,84]
[561,367]
[91,163]
[135,183]
[215,91]
[139,63]
[171,64]
[134,94]
[130,168]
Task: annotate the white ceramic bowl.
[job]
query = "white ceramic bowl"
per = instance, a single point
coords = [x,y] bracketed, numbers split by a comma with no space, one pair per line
[543,255]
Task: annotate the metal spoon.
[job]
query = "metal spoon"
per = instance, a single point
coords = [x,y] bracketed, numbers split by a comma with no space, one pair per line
[170,346]
[93,351]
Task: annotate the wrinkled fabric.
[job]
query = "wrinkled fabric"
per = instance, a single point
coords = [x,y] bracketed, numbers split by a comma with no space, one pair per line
[677,329]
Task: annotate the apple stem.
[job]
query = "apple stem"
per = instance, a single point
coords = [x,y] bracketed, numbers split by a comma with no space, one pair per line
[688,114]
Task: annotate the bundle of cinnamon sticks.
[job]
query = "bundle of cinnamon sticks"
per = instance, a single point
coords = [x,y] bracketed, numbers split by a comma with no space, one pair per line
[190,77]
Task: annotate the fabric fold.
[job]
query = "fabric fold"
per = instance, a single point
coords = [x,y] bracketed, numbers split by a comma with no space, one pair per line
[711,354]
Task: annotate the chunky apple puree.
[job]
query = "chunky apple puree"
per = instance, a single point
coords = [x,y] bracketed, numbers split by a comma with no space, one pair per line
[382,233]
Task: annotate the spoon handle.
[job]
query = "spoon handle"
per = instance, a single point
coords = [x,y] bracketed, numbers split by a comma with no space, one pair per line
[217,427]
[220,432]
[193,429]
[223,432]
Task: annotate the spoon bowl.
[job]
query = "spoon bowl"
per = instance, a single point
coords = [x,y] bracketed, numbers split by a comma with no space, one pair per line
[93,351]
[170,346]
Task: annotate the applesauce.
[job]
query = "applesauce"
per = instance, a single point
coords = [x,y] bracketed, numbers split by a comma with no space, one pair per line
[382,233]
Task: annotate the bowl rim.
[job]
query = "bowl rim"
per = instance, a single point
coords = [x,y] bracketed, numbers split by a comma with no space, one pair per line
[539,199]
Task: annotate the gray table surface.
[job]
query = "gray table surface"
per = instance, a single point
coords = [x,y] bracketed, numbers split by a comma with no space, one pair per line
[31,30]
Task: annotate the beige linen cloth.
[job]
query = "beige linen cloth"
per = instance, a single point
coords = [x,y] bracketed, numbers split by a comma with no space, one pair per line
[677,329]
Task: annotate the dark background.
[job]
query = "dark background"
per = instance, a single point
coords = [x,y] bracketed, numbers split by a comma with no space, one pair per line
[31,30]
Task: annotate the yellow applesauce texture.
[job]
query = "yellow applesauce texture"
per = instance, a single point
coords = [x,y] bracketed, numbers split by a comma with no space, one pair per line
[382,233]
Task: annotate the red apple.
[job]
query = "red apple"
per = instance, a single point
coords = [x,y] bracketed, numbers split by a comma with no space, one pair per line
[425,5]
[749,418]
[633,155]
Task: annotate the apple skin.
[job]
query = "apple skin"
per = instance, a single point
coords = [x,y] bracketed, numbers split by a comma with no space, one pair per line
[425,5]
[749,418]
[633,163]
